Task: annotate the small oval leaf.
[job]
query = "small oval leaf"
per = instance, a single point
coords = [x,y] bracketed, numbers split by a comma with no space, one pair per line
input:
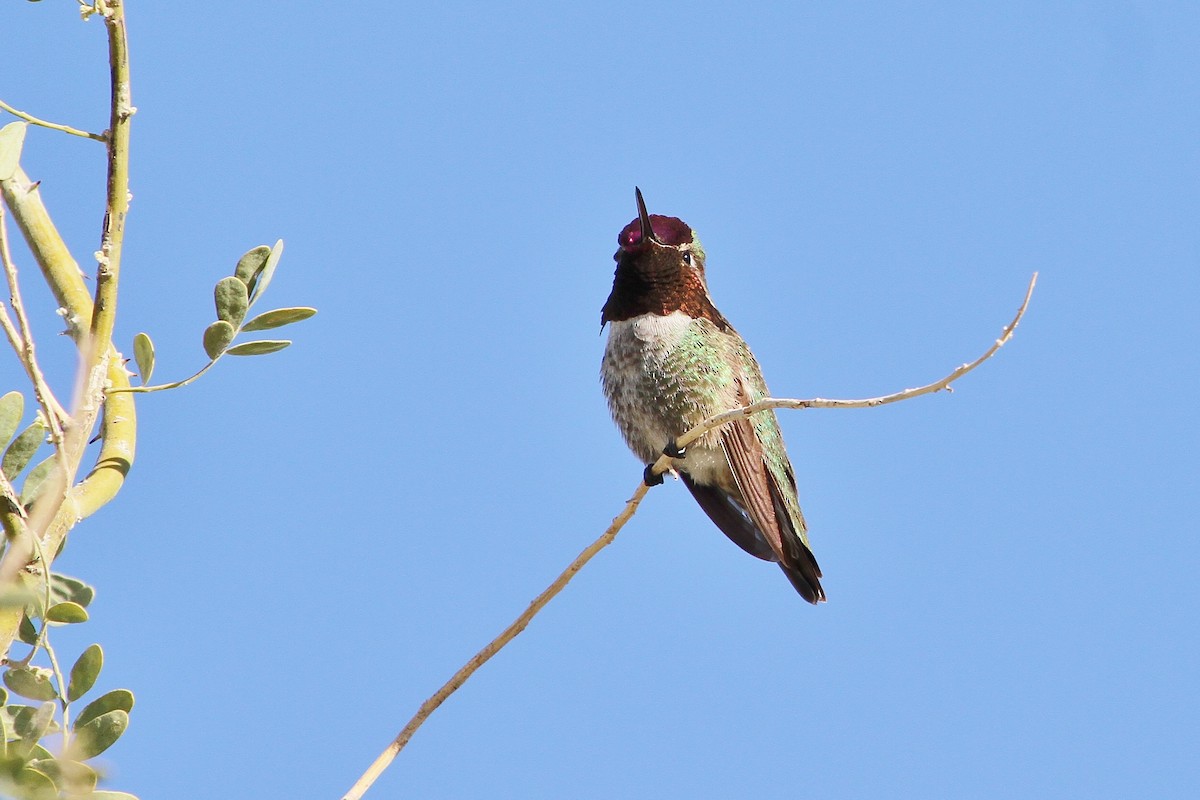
[26,632]
[20,452]
[30,682]
[250,264]
[85,672]
[98,734]
[217,337]
[67,613]
[30,723]
[259,348]
[143,354]
[35,481]
[12,136]
[110,795]
[116,700]
[232,300]
[33,784]
[12,408]
[268,271]
[72,778]
[64,587]
[278,318]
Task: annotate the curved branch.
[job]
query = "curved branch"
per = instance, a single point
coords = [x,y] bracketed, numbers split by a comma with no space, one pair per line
[662,465]
[870,402]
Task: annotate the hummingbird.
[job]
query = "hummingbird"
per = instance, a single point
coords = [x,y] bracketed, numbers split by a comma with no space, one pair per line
[671,361]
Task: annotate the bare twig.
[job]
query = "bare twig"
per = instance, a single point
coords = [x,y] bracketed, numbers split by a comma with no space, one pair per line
[871,402]
[479,659]
[22,341]
[32,120]
[662,465]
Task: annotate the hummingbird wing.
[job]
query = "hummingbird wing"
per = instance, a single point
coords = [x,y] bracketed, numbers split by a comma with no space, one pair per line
[730,517]
[766,502]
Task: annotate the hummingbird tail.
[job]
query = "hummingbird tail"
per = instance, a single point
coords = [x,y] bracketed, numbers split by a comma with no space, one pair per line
[805,575]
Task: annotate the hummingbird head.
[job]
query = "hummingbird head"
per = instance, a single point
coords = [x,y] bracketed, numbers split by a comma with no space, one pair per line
[660,270]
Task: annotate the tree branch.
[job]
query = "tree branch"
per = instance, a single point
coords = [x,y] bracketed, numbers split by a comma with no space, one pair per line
[112,237]
[90,323]
[662,465]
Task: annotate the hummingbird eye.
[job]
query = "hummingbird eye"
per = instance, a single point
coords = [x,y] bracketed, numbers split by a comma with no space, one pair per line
[687,258]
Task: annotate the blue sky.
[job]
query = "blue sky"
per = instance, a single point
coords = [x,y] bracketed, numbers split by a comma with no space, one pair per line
[311,542]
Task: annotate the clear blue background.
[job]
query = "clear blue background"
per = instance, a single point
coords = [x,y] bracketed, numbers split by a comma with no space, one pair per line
[311,542]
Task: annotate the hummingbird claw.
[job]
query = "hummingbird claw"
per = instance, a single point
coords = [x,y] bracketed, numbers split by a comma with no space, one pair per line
[650,478]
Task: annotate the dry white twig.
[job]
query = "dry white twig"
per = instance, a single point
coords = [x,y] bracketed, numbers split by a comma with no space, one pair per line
[21,339]
[662,465]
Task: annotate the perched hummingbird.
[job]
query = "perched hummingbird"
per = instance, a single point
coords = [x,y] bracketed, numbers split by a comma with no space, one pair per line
[671,361]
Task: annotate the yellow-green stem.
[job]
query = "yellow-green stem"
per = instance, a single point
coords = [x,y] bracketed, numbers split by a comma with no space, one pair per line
[58,266]
[113,236]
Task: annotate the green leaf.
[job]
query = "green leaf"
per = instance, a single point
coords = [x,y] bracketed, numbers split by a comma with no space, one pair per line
[98,734]
[20,452]
[72,778]
[30,682]
[111,796]
[143,354]
[12,136]
[258,348]
[268,272]
[3,696]
[278,318]
[26,632]
[33,784]
[67,612]
[36,479]
[217,337]
[30,723]
[116,700]
[85,672]
[38,751]
[12,408]
[64,587]
[250,264]
[232,300]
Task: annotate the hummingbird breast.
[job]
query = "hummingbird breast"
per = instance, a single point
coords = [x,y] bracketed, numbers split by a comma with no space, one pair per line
[664,374]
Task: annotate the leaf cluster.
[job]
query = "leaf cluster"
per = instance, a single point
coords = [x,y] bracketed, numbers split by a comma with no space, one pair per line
[233,296]
[28,768]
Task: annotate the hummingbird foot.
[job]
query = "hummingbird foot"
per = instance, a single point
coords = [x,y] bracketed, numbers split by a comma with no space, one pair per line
[672,450]
[650,478]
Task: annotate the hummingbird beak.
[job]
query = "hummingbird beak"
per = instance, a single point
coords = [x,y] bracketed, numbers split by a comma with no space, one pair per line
[644,218]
